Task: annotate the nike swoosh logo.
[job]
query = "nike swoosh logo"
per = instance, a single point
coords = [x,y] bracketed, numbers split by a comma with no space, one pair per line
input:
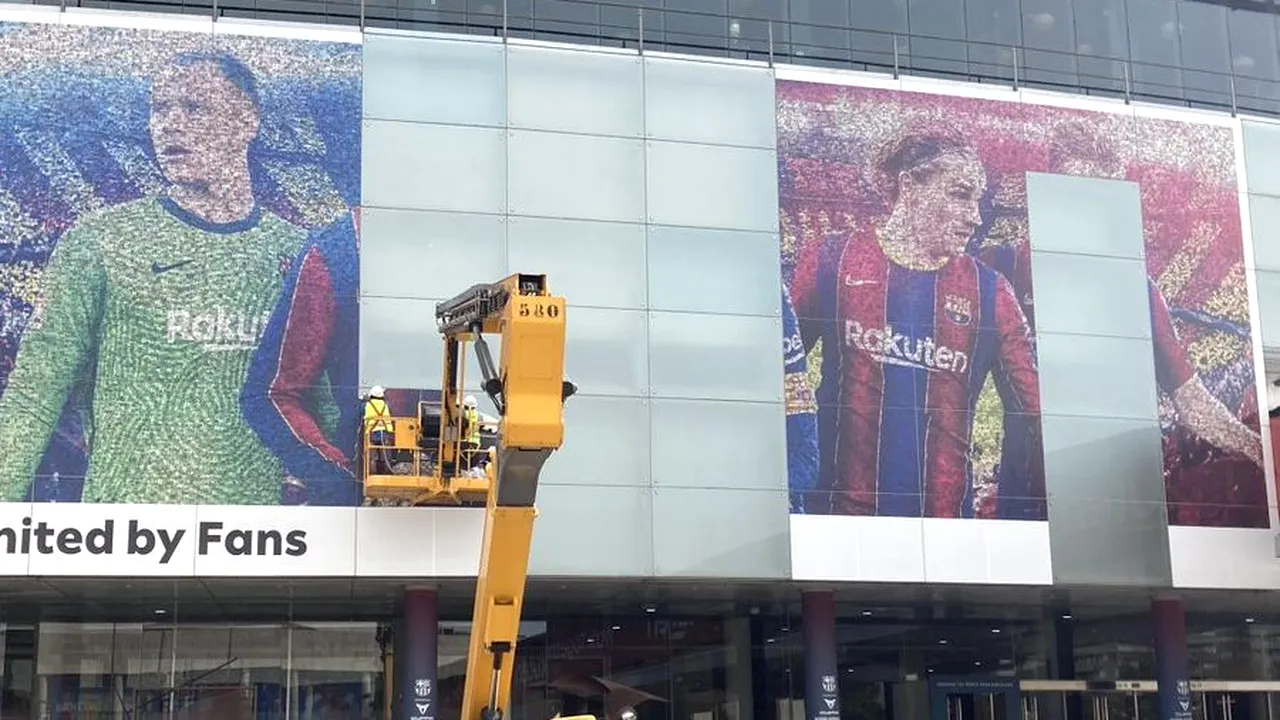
[157,268]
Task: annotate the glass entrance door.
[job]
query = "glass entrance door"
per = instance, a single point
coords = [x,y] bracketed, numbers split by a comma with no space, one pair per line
[976,706]
[1069,700]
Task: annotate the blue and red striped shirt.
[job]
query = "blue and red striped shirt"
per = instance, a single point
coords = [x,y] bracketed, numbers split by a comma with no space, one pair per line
[905,356]
[312,340]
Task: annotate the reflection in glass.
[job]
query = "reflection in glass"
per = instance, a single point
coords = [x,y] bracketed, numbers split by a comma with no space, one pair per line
[994,32]
[1155,48]
[1102,42]
[1255,59]
[1206,54]
[225,671]
[1048,26]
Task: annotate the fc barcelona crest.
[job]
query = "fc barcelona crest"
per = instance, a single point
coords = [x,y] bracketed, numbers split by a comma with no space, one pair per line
[959,310]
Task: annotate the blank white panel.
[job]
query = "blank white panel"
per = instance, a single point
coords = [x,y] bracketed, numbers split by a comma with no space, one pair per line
[433,167]
[606,351]
[418,542]
[433,80]
[710,103]
[715,357]
[1000,552]
[417,254]
[714,271]
[857,549]
[599,531]
[576,176]
[739,444]
[606,442]
[710,186]
[572,90]
[593,264]
[1224,558]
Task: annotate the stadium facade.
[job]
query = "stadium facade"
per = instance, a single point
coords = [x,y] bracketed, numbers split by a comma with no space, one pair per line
[1011,460]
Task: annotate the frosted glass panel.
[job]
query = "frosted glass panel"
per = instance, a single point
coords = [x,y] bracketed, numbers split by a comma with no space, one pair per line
[433,167]
[1091,295]
[1264,218]
[606,442]
[716,187]
[575,91]
[1097,376]
[433,80]
[585,530]
[1103,458]
[605,352]
[576,176]
[1269,308]
[720,357]
[399,344]
[592,264]
[1261,148]
[1084,215]
[702,444]
[402,252]
[711,103]
[715,271]
[721,533]
[1112,543]
[401,347]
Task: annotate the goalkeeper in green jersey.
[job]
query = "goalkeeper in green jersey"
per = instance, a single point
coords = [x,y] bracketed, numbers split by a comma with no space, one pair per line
[154,308]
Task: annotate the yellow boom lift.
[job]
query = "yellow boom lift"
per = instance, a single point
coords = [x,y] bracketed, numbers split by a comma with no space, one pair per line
[427,463]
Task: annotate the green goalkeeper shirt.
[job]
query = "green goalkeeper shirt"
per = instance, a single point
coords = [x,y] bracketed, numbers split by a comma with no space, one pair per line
[157,313]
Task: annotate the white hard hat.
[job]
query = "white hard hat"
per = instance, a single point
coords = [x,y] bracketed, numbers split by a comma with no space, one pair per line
[470,401]
[376,391]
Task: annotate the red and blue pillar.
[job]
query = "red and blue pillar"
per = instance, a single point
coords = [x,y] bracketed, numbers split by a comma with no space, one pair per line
[1173,664]
[416,659]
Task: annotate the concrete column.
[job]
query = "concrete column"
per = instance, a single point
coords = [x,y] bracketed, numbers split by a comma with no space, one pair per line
[416,662]
[821,674]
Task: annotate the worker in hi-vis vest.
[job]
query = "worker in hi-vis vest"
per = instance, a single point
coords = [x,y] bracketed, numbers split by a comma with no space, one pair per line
[378,428]
[470,432]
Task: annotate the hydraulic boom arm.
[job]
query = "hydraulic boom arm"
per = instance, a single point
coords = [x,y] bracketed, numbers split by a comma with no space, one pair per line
[528,389]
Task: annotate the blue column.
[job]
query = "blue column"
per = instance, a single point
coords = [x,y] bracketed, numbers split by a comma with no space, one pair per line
[1173,671]
[416,659]
[821,674]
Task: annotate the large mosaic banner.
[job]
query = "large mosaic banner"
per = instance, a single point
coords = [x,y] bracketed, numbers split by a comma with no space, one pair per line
[912,377]
[178,267]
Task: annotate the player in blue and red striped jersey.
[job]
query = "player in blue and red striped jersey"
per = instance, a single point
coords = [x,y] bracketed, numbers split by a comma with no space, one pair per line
[911,328]
[311,340]
[801,410]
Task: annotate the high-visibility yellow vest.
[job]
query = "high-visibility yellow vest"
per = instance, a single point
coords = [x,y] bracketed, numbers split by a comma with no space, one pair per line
[473,426]
[374,409]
